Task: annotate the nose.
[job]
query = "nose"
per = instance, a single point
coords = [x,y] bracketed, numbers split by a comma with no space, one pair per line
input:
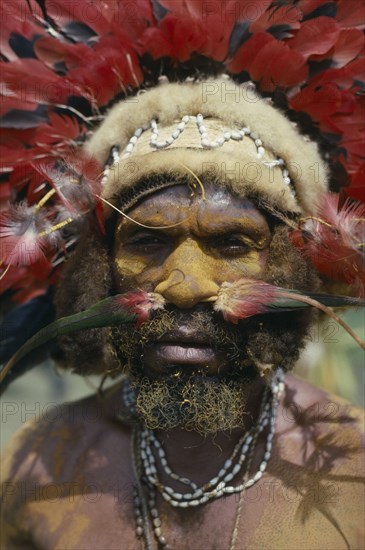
[187,277]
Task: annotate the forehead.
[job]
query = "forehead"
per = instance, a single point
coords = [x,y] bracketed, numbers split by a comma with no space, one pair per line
[212,204]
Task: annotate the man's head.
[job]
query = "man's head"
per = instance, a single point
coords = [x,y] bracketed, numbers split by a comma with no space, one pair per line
[184,241]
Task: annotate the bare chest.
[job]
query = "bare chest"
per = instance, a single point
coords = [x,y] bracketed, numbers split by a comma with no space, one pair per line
[270,516]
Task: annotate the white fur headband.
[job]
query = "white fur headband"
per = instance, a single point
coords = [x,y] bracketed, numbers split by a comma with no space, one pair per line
[217,130]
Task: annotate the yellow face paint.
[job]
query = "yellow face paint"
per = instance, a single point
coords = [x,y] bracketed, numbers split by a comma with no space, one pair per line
[191,246]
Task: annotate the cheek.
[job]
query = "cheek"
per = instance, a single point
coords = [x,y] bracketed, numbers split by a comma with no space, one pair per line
[261,261]
[127,272]
[132,272]
[251,266]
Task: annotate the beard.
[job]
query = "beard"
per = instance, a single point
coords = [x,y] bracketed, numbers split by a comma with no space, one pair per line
[191,398]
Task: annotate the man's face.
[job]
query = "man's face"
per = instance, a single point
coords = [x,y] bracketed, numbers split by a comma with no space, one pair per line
[190,247]
[188,362]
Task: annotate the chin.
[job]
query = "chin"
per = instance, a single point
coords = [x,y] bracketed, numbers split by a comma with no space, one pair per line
[194,398]
[191,401]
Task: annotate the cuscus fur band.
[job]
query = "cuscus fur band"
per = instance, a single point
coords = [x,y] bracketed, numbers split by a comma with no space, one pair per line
[219,131]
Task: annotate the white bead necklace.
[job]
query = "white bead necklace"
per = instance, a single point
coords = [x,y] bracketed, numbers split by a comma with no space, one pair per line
[147,450]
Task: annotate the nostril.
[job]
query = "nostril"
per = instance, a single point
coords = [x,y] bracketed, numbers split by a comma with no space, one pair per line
[175,278]
[185,291]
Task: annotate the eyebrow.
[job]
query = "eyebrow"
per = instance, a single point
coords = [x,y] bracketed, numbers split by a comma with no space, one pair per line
[131,223]
[247,227]
[231,226]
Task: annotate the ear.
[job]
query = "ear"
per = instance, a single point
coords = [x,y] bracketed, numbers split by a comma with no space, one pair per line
[85,280]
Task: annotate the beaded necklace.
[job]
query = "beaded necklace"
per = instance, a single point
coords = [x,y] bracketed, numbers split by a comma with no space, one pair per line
[147,452]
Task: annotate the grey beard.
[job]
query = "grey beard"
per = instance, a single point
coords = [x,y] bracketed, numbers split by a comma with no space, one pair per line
[203,404]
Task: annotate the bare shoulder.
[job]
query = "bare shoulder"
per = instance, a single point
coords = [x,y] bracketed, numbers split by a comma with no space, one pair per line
[317,469]
[75,457]
[317,424]
[307,405]
[60,438]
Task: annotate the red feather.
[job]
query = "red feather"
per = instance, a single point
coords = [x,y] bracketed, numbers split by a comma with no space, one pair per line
[316,36]
[191,27]
[90,14]
[308,6]
[17,19]
[32,81]
[356,189]
[334,241]
[51,51]
[269,62]
[349,45]
[244,298]
[195,9]
[59,131]
[26,282]
[284,15]
[5,195]
[353,18]
[179,38]
[140,303]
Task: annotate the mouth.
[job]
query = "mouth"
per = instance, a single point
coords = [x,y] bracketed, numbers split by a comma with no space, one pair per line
[183,348]
[189,353]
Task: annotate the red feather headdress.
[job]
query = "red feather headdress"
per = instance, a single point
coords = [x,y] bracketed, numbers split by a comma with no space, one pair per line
[64,63]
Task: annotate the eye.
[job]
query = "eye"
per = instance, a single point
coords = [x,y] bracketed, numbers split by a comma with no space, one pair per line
[146,242]
[232,245]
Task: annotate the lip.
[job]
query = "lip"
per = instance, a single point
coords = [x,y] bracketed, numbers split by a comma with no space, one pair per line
[184,348]
[185,336]
[189,353]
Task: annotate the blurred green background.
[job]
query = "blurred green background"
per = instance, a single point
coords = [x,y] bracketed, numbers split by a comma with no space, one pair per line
[331,360]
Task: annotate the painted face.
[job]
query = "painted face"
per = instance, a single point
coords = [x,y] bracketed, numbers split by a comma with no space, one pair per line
[214,240]
[190,247]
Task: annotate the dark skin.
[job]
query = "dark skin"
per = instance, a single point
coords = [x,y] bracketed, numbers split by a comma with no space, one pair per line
[69,480]
[221,239]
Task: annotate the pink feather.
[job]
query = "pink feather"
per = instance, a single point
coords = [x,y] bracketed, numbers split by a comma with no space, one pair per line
[140,303]
[20,243]
[244,298]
